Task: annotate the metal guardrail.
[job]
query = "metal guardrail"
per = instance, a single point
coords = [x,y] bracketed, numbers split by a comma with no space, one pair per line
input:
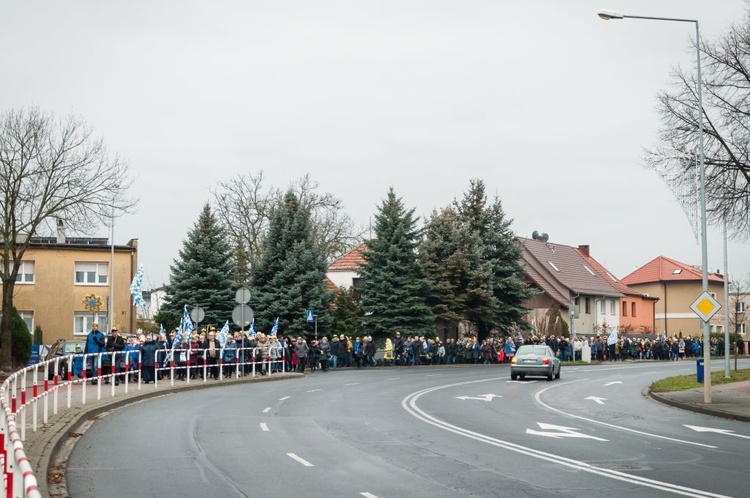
[18,478]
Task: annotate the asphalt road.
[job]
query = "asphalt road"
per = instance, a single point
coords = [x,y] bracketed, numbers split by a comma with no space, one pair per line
[459,431]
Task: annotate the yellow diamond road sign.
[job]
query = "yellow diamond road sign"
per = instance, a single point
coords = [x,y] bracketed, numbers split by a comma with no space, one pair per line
[705,306]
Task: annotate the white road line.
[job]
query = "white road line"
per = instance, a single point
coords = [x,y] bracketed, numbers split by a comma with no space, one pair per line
[264,427]
[368,495]
[352,384]
[284,398]
[394,378]
[432,375]
[409,404]
[300,460]
[266,409]
[314,390]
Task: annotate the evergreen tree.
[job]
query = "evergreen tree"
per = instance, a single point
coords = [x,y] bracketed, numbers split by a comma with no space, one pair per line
[393,286]
[288,277]
[500,268]
[203,274]
[347,313]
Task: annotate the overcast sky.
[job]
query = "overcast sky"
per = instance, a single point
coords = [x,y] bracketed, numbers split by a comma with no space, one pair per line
[541,99]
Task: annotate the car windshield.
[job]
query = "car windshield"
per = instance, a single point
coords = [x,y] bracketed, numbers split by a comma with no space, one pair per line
[70,347]
[532,350]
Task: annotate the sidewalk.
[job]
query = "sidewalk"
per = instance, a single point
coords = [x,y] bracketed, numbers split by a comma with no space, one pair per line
[48,448]
[730,401]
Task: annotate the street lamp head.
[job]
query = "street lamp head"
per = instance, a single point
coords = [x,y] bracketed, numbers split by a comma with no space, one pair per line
[610,14]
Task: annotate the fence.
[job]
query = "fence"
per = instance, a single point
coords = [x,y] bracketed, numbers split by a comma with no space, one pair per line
[78,373]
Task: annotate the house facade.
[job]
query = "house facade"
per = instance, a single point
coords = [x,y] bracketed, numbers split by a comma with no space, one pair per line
[56,274]
[677,285]
[344,272]
[567,280]
[739,306]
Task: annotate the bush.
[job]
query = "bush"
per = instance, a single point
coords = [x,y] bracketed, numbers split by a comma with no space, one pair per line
[21,345]
[38,335]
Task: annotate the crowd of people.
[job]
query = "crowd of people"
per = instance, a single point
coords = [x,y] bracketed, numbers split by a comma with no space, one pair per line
[203,354]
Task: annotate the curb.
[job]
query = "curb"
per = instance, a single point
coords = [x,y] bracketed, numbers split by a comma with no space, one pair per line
[53,461]
[696,408]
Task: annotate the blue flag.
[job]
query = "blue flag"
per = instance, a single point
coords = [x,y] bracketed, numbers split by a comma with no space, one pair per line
[612,337]
[186,325]
[252,332]
[223,334]
[275,328]
[135,288]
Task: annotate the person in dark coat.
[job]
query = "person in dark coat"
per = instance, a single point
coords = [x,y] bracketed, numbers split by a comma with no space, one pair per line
[148,358]
[94,345]
[116,344]
[212,348]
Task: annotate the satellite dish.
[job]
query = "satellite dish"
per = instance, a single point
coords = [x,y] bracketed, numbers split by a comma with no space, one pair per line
[543,237]
[534,234]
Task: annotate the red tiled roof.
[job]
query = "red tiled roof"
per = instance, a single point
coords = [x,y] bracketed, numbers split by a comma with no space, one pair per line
[662,269]
[331,286]
[349,261]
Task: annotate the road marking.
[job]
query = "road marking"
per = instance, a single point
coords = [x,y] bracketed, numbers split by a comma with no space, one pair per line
[284,398]
[394,378]
[599,401]
[352,384]
[432,375]
[409,403]
[300,460]
[521,381]
[562,432]
[314,390]
[538,398]
[726,432]
[612,383]
[266,409]
[264,427]
[368,495]
[481,397]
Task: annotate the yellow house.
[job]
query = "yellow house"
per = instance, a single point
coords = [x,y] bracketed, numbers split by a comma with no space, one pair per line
[56,274]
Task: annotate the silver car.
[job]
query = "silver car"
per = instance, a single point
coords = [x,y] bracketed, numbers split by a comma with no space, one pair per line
[535,359]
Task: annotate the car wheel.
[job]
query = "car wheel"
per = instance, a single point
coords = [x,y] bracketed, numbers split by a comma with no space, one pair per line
[523,376]
[513,376]
[557,375]
[550,377]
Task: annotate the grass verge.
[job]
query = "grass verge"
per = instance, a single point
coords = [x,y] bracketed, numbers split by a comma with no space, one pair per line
[682,382]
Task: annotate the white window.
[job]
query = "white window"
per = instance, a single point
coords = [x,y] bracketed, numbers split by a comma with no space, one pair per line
[553,265]
[740,328]
[676,271]
[28,318]
[590,271]
[92,273]
[25,273]
[82,322]
[603,307]
[612,307]
[740,308]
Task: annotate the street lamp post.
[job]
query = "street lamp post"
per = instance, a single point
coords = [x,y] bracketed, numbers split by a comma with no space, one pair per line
[608,15]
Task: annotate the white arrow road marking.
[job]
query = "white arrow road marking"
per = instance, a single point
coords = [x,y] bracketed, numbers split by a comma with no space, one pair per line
[612,383]
[314,390]
[264,427]
[352,384]
[481,397]
[284,398]
[368,495]
[300,460]
[521,381]
[726,432]
[599,401]
[563,432]
[266,409]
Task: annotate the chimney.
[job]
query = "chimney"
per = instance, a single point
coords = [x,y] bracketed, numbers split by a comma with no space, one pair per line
[585,250]
[60,231]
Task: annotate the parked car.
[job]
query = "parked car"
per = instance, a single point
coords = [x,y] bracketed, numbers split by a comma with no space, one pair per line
[62,348]
[535,360]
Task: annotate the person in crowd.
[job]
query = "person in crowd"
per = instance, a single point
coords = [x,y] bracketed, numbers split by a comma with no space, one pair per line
[229,356]
[416,351]
[94,345]
[313,355]
[78,363]
[212,350]
[325,353]
[300,348]
[276,353]
[388,353]
[115,344]
[369,351]
[195,355]
[148,359]
[450,351]
[131,356]
[358,351]
[440,353]
[335,346]
[399,352]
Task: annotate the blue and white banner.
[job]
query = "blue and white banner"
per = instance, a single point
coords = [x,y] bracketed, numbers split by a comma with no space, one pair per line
[223,334]
[252,332]
[135,288]
[612,337]
[275,328]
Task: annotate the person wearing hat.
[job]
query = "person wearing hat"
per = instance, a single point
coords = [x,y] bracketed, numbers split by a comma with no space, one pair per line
[148,358]
[94,345]
[115,345]
[78,362]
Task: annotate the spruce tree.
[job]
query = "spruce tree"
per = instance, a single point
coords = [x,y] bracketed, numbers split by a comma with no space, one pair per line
[347,313]
[500,268]
[203,273]
[393,286]
[288,278]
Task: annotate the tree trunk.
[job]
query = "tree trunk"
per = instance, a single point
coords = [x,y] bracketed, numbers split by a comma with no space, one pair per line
[6,328]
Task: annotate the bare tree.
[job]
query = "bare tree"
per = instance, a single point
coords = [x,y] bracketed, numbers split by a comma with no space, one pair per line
[244,203]
[50,169]
[726,118]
